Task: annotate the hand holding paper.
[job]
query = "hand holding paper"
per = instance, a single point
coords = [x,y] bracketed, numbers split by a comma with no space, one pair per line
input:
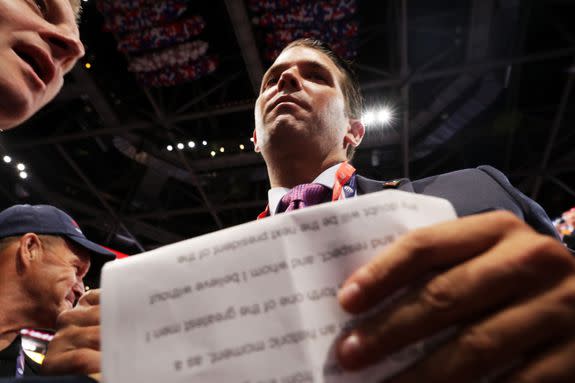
[506,285]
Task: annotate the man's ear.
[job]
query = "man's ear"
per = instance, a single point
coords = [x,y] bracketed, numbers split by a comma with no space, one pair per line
[256,147]
[30,250]
[355,133]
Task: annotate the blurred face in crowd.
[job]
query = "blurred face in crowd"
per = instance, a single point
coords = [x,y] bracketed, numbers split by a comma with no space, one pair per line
[39,43]
[301,107]
[55,275]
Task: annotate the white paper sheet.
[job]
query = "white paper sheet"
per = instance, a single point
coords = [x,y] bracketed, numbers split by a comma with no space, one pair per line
[255,303]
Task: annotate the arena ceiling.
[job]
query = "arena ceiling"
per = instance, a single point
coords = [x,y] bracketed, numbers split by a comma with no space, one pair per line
[470,81]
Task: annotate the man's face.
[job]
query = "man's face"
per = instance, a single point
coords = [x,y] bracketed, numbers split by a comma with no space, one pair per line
[57,276]
[301,106]
[39,43]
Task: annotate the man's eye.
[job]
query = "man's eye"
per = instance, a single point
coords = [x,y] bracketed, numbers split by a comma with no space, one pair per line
[270,81]
[41,6]
[317,77]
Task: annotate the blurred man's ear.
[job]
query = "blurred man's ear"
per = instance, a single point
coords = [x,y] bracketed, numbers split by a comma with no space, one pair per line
[256,147]
[30,249]
[355,133]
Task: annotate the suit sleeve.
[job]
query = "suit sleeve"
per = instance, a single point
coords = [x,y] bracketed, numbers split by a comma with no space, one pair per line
[534,214]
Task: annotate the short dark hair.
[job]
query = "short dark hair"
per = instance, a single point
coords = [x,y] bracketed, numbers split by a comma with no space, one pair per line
[349,83]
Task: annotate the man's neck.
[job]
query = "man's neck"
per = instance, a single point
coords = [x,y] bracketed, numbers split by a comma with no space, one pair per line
[16,314]
[7,338]
[292,172]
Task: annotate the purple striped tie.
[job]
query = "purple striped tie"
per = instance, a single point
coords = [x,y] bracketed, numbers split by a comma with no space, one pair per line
[304,195]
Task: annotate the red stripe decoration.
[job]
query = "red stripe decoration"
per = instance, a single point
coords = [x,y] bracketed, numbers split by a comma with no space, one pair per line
[157,38]
[282,21]
[162,36]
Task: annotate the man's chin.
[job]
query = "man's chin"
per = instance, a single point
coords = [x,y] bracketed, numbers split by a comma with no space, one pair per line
[16,110]
[66,305]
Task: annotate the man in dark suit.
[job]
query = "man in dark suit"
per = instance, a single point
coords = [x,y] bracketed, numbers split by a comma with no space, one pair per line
[501,276]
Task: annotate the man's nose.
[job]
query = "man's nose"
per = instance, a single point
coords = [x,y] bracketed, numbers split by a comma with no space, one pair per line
[289,80]
[79,288]
[65,45]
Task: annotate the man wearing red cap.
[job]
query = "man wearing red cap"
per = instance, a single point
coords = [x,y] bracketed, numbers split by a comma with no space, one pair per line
[44,257]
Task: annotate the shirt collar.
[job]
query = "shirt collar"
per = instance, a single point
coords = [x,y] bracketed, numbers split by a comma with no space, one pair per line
[326,178]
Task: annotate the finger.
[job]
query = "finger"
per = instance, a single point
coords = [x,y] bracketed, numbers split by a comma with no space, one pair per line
[79,316]
[90,298]
[496,342]
[456,296]
[72,337]
[422,251]
[76,362]
[556,365]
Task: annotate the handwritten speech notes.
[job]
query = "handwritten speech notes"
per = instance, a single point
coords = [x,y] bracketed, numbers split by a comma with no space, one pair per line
[255,303]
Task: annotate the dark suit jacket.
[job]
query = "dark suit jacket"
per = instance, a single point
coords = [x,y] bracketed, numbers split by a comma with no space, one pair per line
[473,191]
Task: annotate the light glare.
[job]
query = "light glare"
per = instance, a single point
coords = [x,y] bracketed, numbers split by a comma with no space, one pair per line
[23,175]
[369,118]
[381,116]
[7,159]
[384,116]
[21,167]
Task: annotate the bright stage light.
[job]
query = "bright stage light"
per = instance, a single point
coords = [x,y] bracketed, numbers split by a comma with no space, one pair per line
[170,148]
[381,116]
[369,118]
[384,116]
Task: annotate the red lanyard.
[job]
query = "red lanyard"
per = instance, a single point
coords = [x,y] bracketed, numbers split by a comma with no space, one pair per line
[343,175]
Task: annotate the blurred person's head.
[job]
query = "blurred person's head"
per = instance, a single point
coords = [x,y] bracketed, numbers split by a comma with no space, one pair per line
[44,257]
[569,217]
[39,44]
